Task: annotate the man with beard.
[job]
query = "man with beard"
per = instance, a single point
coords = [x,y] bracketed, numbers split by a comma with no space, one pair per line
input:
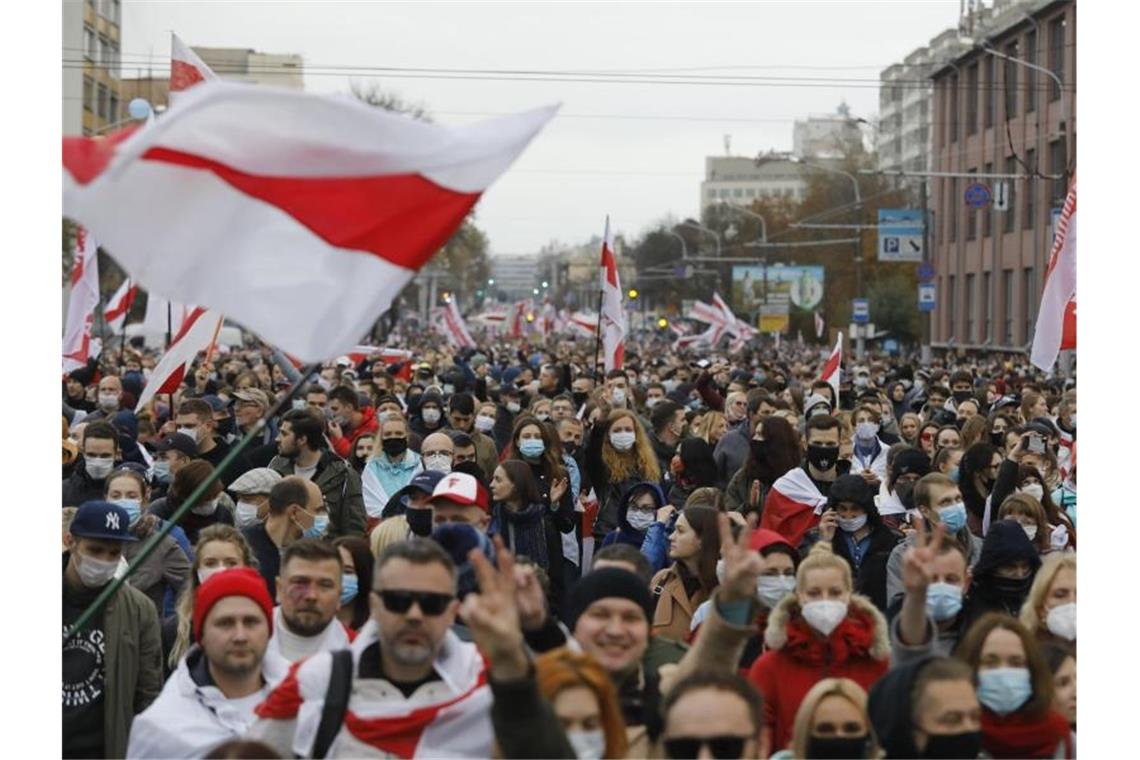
[211,695]
[308,592]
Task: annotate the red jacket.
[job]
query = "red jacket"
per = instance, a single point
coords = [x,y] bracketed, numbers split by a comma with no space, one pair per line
[345,444]
[797,658]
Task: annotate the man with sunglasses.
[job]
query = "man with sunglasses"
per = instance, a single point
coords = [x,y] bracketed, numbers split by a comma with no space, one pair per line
[718,715]
[413,688]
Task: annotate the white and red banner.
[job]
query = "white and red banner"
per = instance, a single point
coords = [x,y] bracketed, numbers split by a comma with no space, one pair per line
[387,355]
[450,323]
[832,369]
[819,325]
[258,199]
[612,318]
[519,325]
[198,334]
[793,505]
[186,68]
[119,304]
[163,316]
[83,301]
[1057,317]
[584,323]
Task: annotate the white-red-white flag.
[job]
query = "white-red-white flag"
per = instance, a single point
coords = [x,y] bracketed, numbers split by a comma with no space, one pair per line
[450,323]
[1057,317]
[736,327]
[819,325]
[82,303]
[259,198]
[832,368]
[186,68]
[584,323]
[119,304]
[612,318]
[198,333]
[519,325]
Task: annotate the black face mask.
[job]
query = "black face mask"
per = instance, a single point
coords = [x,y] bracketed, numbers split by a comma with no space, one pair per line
[226,426]
[571,449]
[1011,589]
[419,521]
[580,398]
[998,440]
[960,396]
[905,492]
[394,446]
[823,457]
[837,747]
[759,449]
[967,744]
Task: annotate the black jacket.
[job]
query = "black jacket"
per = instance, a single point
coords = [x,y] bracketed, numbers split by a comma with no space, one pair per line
[1005,544]
[341,488]
[79,486]
[871,577]
[889,708]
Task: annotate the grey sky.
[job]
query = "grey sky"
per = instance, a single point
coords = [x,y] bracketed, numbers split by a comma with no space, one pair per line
[579,169]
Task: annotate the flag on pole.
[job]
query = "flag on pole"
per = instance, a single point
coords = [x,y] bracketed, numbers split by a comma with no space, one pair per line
[450,323]
[584,323]
[819,325]
[258,199]
[518,318]
[82,303]
[1057,317]
[831,370]
[197,335]
[612,318]
[119,304]
[186,68]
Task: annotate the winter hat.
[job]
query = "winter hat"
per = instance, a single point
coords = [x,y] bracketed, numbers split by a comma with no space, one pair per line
[607,583]
[458,539]
[236,581]
[889,708]
[853,489]
[815,400]
[1005,544]
[911,462]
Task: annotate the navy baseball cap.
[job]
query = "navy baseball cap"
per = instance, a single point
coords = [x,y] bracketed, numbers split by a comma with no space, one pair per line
[178,442]
[102,519]
[215,403]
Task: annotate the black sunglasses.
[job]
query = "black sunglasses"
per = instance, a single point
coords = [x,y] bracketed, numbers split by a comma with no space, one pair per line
[400,602]
[721,747]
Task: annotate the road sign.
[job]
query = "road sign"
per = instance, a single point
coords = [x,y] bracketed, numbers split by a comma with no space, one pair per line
[1001,195]
[978,195]
[926,272]
[900,234]
[926,296]
[774,318]
[860,311]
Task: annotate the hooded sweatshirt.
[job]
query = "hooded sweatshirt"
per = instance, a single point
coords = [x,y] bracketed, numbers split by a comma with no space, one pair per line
[626,533]
[889,708]
[1005,544]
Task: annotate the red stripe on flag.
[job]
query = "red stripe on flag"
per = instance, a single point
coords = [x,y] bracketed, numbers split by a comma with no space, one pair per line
[831,366]
[403,218]
[85,158]
[183,75]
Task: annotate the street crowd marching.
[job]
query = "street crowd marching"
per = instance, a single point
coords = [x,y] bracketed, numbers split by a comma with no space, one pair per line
[467,543]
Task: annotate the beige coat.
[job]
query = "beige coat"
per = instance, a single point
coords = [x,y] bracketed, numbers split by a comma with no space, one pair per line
[674,614]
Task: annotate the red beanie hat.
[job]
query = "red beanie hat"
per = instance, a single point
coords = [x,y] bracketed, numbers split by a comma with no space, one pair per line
[237,581]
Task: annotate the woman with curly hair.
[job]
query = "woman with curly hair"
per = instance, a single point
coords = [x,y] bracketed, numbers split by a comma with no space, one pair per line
[618,456]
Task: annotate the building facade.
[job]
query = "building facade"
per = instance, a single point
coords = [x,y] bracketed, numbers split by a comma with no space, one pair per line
[92,97]
[739,181]
[995,116]
[827,135]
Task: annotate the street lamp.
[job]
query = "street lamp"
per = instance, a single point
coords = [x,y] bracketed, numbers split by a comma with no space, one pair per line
[706,230]
[684,248]
[753,214]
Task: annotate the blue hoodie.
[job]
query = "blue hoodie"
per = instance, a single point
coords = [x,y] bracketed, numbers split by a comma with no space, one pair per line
[625,533]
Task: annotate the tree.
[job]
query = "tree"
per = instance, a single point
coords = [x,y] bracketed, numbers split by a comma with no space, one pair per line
[892,301]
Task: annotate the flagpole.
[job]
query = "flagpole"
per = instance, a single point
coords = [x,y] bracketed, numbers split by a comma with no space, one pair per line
[149,547]
[598,334]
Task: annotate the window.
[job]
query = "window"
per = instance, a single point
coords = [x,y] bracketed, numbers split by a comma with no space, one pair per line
[972,100]
[1030,74]
[971,217]
[1011,81]
[951,307]
[710,193]
[737,192]
[89,51]
[724,192]
[971,309]
[1056,55]
[1029,216]
[1007,287]
[1057,169]
[103,52]
[113,59]
[953,116]
[988,212]
[101,103]
[988,302]
[1030,299]
[952,209]
[113,108]
[750,192]
[1009,216]
[990,91]
[88,94]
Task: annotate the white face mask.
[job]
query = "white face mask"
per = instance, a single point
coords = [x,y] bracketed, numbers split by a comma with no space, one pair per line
[99,469]
[866,431]
[246,515]
[825,615]
[205,509]
[206,572]
[619,396]
[588,745]
[772,588]
[484,424]
[438,463]
[623,441]
[191,433]
[1035,490]
[639,519]
[1030,531]
[108,402]
[95,573]
[652,402]
[853,524]
[513,407]
[1062,621]
[431,415]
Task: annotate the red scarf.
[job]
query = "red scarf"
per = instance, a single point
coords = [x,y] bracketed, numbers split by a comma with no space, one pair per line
[1015,736]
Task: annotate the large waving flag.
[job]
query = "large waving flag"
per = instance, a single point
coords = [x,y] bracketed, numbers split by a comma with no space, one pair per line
[450,322]
[82,303]
[612,317]
[831,370]
[584,323]
[119,304]
[258,199]
[198,334]
[186,68]
[793,506]
[1057,318]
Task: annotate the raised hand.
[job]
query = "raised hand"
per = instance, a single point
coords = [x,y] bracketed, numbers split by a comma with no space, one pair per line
[665,513]
[558,489]
[754,494]
[493,615]
[918,560]
[529,598]
[828,523]
[742,566]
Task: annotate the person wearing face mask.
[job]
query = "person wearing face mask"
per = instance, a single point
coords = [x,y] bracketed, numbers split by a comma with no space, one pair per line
[637,511]
[795,500]
[616,391]
[618,456]
[977,474]
[666,429]
[112,668]
[172,453]
[1015,688]
[869,458]
[391,468]
[832,722]
[209,509]
[438,452]
[537,444]
[823,630]
[109,399]
[927,708]
[251,496]
[773,450]
[161,575]
[461,417]
[1049,612]
[585,703]
[356,581]
[692,468]
[851,525]
[1004,572]
[1018,474]
[1026,511]
[296,511]
[99,452]
[428,418]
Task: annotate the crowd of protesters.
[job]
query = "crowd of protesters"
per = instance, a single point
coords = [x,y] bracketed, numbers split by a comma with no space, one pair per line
[510,552]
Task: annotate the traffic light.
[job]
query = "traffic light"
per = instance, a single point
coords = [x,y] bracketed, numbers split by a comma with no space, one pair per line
[662,323]
[633,294]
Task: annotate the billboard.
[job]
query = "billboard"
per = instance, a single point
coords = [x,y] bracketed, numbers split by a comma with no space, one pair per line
[794,287]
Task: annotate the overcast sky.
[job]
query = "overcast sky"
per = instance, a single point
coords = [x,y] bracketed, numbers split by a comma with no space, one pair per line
[633,151]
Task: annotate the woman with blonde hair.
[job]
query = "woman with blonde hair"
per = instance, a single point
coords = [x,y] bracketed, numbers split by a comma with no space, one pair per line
[584,701]
[909,425]
[973,431]
[1049,612]
[712,427]
[822,630]
[219,547]
[832,722]
[618,456]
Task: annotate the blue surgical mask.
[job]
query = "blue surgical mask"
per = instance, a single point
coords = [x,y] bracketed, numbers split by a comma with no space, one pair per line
[348,588]
[320,523]
[943,601]
[955,474]
[532,448]
[1004,690]
[161,473]
[133,507]
[953,517]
